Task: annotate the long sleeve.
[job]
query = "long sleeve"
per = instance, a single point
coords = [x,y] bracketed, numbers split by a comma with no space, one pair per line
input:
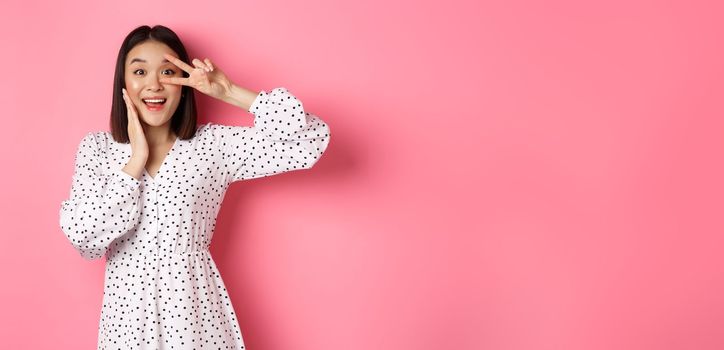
[101,207]
[284,138]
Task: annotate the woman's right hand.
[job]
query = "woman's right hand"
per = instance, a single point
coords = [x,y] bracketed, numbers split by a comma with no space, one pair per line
[139,146]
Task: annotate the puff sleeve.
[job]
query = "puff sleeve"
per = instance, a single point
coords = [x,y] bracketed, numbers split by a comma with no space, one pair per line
[284,138]
[101,207]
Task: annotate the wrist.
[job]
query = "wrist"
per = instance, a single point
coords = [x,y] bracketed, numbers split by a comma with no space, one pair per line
[239,96]
[138,159]
[229,95]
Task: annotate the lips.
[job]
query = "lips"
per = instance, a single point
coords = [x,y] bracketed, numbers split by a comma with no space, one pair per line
[154,103]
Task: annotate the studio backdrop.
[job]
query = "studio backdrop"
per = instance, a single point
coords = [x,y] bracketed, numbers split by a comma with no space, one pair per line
[501,174]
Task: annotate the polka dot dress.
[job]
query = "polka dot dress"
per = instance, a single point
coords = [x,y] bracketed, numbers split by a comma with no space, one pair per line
[162,289]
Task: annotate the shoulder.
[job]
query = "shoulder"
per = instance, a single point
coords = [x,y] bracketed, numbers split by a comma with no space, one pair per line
[93,139]
[91,145]
[99,142]
[210,132]
[204,128]
[100,139]
[220,130]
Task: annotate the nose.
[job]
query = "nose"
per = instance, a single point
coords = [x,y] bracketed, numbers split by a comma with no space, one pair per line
[153,84]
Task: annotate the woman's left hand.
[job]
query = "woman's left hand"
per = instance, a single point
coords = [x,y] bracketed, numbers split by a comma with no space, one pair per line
[204,77]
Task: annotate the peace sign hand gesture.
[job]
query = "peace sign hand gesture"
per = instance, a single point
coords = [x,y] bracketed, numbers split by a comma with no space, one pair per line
[204,77]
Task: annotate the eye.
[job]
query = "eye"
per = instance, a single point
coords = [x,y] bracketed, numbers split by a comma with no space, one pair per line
[166,70]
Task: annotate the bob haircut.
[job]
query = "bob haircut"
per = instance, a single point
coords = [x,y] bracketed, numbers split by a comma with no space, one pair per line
[183,121]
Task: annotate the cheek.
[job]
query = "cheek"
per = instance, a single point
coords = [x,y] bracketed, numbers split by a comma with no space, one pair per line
[132,86]
[173,89]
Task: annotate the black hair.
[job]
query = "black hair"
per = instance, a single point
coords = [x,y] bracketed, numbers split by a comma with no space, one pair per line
[183,121]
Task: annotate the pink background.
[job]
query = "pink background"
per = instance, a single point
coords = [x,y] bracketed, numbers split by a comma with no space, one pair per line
[501,175]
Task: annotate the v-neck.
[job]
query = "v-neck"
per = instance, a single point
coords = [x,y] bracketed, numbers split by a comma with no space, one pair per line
[165,160]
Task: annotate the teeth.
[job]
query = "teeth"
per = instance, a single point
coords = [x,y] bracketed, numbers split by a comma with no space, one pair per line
[156,101]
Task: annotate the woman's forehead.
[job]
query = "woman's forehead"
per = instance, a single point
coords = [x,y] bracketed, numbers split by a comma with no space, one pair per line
[149,52]
[140,59]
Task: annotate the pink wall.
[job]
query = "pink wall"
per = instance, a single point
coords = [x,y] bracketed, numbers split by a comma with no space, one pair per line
[502,175]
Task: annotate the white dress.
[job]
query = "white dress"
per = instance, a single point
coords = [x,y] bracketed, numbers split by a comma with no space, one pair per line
[162,289]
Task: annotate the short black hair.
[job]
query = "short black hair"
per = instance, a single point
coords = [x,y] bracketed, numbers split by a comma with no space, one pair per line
[183,121]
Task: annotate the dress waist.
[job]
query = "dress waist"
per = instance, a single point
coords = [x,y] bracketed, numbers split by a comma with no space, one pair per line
[164,255]
[174,254]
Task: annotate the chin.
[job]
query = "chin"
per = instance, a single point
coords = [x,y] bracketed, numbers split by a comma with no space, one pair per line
[155,120]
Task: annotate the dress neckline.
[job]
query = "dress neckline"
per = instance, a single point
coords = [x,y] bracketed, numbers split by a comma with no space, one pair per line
[161,168]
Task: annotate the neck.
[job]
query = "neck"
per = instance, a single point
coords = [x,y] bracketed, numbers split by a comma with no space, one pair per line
[158,135]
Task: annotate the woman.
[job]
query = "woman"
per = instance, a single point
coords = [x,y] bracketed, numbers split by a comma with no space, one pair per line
[146,195]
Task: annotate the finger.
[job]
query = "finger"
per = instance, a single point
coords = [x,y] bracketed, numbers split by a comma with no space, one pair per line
[208,63]
[175,80]
[125,98]
[197,62]
[129,112]
[178,63]
[129,105]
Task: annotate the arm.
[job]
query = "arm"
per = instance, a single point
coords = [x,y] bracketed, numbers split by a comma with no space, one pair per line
[284,137]
[101,207]
[240,97]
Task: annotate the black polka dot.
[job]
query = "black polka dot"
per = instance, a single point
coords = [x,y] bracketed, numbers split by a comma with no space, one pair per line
[162,289]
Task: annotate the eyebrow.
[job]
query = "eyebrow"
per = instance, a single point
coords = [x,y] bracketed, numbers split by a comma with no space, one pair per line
[144,61]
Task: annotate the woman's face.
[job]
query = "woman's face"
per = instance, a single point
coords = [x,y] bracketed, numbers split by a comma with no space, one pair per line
[144,66]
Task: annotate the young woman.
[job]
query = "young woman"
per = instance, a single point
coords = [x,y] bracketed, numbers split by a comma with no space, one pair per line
[146,195]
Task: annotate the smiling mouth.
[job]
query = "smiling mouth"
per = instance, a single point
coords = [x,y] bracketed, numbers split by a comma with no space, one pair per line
[154,104]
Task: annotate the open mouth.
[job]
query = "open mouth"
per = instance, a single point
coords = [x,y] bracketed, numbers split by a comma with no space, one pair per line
[154,101]
[154,104]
